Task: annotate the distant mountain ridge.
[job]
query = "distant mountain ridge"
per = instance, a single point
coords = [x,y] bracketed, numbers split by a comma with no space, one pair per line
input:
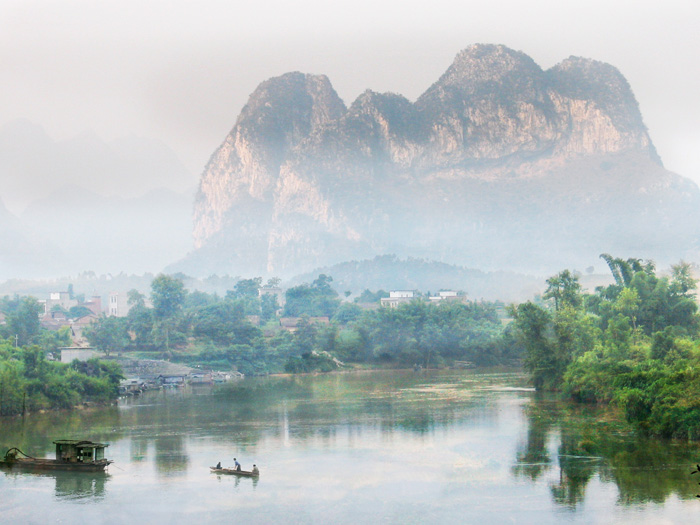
[111,234]
[498,165]
[68,219]
[33,165]
[388,272]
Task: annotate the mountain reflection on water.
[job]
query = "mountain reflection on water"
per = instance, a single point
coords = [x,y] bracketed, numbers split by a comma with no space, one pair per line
[395,446]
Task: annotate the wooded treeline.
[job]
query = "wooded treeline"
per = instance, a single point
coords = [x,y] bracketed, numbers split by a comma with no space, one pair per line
[633,343]
[223,332]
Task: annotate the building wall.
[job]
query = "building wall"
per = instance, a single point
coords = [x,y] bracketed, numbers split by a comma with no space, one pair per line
[68,355]
[118,304]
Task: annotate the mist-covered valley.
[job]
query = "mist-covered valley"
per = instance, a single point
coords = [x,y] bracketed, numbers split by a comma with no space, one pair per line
[452,239]
[500,166]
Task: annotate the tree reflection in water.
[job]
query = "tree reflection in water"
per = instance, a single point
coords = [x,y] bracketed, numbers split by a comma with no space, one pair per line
[171,455]
[71,486]
[589,444]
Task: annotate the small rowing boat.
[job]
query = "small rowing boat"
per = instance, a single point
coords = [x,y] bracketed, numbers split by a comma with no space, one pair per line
[234,472]
[70,455]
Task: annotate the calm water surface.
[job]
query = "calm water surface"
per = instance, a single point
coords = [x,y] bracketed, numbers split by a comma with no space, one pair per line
[379,447]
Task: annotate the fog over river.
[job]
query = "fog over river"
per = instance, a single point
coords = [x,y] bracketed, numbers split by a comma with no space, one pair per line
[376,447]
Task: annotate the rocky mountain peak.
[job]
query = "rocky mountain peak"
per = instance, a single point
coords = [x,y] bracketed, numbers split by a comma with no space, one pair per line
[285,109]
[482,67]
[586,79]
[301,177]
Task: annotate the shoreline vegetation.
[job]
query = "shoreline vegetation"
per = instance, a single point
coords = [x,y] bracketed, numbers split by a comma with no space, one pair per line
[243,331]
[633,346]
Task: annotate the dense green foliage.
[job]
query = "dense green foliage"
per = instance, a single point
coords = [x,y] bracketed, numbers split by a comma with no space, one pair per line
[316,300]
[634,344]
[29,382]
[21,319]
[241,330]
[30,378]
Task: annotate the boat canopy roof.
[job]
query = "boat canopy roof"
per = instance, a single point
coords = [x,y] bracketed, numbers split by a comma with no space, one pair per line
[81,444]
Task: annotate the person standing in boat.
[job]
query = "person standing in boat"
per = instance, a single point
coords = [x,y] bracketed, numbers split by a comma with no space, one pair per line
[255,470]
[236,464]
[218,465]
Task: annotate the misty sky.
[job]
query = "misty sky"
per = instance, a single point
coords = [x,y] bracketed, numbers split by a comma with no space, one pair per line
[180,71]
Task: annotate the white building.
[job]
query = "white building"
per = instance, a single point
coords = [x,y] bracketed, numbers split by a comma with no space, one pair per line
[448,295]
[118,304]
[397,297]
[61,299]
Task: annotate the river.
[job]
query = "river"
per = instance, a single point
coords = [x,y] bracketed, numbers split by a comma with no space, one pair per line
[368,447]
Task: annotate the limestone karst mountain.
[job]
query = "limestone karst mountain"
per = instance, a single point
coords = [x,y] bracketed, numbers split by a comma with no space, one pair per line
[498,165]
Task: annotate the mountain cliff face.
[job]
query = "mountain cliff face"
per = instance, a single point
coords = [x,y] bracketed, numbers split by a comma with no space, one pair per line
[499,164]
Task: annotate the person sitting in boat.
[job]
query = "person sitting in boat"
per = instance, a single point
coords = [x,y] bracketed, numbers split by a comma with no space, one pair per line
[218,465]
[236,464]
[255,470]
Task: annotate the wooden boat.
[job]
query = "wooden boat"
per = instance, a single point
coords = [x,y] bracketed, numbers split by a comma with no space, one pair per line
[234,472]
[73,455]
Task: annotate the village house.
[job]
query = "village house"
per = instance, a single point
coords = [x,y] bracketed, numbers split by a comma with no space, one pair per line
[448,295]
[61,299]
[118,304]
[71,353]
[397,297]
[53,320]
[77,326]
[94,304]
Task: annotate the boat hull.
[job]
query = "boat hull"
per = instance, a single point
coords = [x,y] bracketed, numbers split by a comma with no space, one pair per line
[52,464]
[234,472]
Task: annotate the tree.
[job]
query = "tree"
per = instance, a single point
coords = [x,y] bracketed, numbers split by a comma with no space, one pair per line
[224,323]
[682,280]
[317,299]
[535,329]
[273,282]
[76,312]
[371,297]
[245,292]
[140,323]
[347,313]
[305,336]
[168,296]
[268,306]
[12,387]
[247,287]
[135,298]
[24,321]
[623,271]
[109,334]
[323,284]
[51,341]
[565,289]
[627,304]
